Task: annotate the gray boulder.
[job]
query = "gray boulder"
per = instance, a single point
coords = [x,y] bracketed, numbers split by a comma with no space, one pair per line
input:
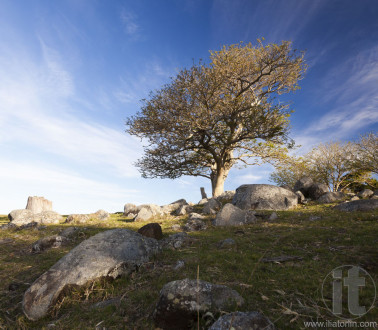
[285,186]
[130,208]
[183,210]
[300,195]
[231,215]
[180,301]
[77,218]
[366,193]
[355,198]
[49,242]
[21,216]
[172,207]
[211,207]
[175,241]
[108,254]
[101,215]
[243,321]
[264,197]
[194,225]
[144,214]
[203,201]
[38,204]
[331,197]
[196,216]
[226,196]
[317,190]
[360,205]
[303,185]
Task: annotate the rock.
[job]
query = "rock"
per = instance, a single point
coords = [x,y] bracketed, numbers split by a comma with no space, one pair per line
[273,216]
[193,216]
[287,187]
[68,232]
[108,254]
[303,185]
[203,201]
[179,302]
[243,321]
[194,225]
[203,193]
[144,215]
[8,226]
[231,215]
[366,193]
[152,230]
[316,190]
[30,225]
[175,241]
[331,197]
[360,205]
[211,207]
[172,208]
[77,218]
[374,197]
[176,227]
[264,197]
[180,264]
[226,196]
[355,198]
[101,215]
[226,243]
[21,216]
[314,217]
[300,195]
[130,208]
[38,204]
[48,242]
[183,209]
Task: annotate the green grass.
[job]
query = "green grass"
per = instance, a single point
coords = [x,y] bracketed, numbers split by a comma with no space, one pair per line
[288,293]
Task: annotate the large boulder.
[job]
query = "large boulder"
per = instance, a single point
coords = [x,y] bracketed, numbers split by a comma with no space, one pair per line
[264,197]
[130,209]
[38,204]
[303,185]
[366,193]
[317,190]
[242,321]
[170,208]
[331,197]
[226,196]
[152,230]
[211,207]
[23,217]
[194,225]
[180,301]
[231,215]
[360,205]
[108,254]
[100,215]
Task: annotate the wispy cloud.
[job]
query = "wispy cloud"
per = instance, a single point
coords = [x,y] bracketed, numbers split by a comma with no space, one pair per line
[129,22]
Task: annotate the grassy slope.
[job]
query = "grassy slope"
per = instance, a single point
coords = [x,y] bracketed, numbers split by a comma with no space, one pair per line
[288,293]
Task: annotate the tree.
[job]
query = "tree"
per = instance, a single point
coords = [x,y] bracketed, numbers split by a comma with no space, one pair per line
[330,163]
[211,117]
[367,153]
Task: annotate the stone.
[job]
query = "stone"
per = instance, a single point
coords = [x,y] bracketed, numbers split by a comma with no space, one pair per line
[314,217]
[68,232]
[101,215]
[108,254]
[144,215]
[243,321]
[231,215]
[77,218]
[30,225]
[47,217]
[273,216]
[211,207]
[355,198]
[226,243]
[176,227]
[176,241]
[366,193]
[179,264]
[317,190]
[331,197]
[38,204]
[226,196]
[300,195]
[203,193]
[196,216]
[303,185]
[8,226]
[194,225]
[152,230]
[130,208]
[360,205]
[203,201]
[45,243]
[287,187]
[21,216]
[183,210]
[180,301]
[264,197]
[172,207]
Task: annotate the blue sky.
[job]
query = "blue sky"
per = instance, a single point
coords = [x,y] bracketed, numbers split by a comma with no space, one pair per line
[72,71]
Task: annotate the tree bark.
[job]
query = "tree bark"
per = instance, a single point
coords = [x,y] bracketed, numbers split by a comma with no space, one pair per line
[217,181]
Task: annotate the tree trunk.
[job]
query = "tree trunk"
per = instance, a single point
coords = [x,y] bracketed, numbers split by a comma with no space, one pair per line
[217,181]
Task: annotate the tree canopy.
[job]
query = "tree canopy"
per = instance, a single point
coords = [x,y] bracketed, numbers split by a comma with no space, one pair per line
[211,117]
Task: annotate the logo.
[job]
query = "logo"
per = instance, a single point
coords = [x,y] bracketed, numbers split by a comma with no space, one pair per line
[348,292]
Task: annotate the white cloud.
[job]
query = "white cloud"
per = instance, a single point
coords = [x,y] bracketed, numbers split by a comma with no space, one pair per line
[129,21]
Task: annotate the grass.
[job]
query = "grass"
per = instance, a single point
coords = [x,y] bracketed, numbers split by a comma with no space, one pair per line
[288,293]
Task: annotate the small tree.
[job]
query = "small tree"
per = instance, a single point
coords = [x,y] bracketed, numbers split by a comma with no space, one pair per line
[287,173]
[211,117]
[366,157]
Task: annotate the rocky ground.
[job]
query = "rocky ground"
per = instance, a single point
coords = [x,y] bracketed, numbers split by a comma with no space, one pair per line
[271,263]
